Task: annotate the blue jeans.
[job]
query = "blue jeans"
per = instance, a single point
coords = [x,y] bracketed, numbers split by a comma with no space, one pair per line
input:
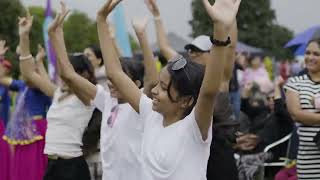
[235,100]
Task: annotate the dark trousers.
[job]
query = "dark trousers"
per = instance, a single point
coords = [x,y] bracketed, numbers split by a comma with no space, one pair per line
[67,169]
[221,163]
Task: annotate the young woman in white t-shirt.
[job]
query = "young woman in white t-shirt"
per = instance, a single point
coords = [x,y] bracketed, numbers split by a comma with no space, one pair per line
[177,121]
[121,129]
[68,115]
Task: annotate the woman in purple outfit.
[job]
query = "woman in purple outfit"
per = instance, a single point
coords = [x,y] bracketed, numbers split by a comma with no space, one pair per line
[25,132]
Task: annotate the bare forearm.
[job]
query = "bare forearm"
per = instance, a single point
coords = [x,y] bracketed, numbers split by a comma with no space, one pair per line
[211,83]
[116,47]
[24,45]
[41,69]
[228,68]
[214,68]
[64,66]
[167,51]
[298,114]
[306,118]
[83,89]
[151,74]
[111,61]
[26,66]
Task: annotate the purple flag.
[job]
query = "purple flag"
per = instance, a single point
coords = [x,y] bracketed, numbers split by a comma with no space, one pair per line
[52,63]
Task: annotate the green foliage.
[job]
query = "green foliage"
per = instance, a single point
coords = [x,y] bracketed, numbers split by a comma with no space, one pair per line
[79,32]
[10,11]
[134,44]
[36,36]
[256,25]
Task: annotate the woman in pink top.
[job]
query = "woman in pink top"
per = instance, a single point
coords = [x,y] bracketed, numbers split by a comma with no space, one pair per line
[256,73]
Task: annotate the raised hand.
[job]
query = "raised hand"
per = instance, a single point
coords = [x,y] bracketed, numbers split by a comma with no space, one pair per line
[3,48]
[247,142]
[57,24]
[223,11]
[279,81]
[41,54]
[139,25]
[25,24]
[106,9]
[153,7]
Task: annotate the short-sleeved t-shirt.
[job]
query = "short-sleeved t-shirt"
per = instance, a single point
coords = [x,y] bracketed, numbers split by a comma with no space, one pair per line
[175,152]
[308,159]
[67,120]
[121,135]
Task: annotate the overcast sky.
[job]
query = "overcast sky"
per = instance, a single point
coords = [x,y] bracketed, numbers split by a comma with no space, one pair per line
[294,14]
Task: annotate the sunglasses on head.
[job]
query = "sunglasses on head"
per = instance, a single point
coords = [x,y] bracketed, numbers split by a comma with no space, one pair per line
[179,63]
[77,54]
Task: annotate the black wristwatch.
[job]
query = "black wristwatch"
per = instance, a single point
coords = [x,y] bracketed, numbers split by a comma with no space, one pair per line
[220,43]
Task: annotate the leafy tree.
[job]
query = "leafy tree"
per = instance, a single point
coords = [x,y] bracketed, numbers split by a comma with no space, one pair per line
[134,44]
[80,32]
[10,11]
[256,24]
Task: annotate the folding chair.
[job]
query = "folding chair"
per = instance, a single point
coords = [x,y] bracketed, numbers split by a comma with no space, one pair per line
[281,162]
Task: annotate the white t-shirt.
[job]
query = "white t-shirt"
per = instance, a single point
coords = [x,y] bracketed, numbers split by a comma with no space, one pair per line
[120,138]
[67,120]
[101,77]
[175,152]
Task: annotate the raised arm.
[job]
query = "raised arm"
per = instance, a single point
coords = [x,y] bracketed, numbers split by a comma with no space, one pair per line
[231,50]
[82,87]
[3,49]
[151,73]
[41,54]
[223,14]
[112,31]
[27,65]
[120,80]
[166,50]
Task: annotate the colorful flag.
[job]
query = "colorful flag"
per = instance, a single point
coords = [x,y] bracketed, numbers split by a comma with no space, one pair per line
[122,35]
[51,57]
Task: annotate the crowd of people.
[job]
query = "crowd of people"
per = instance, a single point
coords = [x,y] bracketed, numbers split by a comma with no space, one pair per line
[207,114]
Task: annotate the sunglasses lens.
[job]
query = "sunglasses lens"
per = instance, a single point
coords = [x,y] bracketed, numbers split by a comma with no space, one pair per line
[179,64]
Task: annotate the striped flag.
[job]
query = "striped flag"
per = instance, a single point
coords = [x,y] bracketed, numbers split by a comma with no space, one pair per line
[51,57]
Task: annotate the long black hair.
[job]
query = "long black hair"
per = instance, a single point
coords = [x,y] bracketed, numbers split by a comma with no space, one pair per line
[315,40]
[186,81]
[133,68]
[81,64]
